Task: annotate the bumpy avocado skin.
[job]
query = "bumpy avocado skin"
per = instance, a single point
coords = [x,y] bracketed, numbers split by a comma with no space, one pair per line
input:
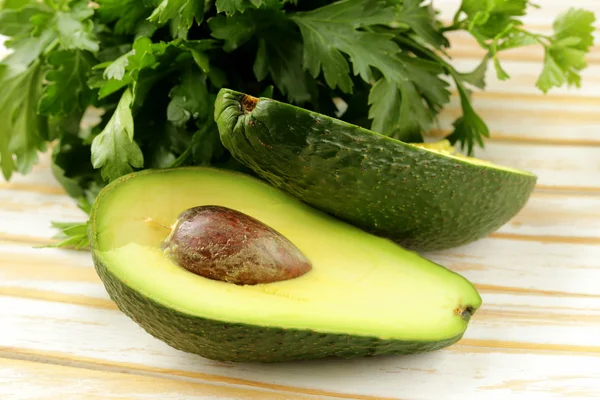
[236,342]
[420,199]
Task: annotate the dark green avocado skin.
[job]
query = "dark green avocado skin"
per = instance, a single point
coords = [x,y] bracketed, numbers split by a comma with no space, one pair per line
[417,198]
[224,341]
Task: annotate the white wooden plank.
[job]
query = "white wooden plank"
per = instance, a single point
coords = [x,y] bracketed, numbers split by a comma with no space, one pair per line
[99,336]
[29,213]
[555,166]
[559,215]
[26,380]
[529,266]
[538,118]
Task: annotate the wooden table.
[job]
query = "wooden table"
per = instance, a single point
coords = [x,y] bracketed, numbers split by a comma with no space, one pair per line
[536,337]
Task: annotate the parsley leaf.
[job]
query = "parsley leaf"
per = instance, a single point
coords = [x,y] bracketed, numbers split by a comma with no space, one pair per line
[16,23]
[230,7]
[279,49]
[566,54]
[147,62]
[75,30]
[421,19]
[114,150]
[189,99]
[72,235]
[384,99]
[128,14]
[67,88]
[184,10]
[22,128]
[338,28]
[470,128]
[279,55]
[332,30]
[235,30]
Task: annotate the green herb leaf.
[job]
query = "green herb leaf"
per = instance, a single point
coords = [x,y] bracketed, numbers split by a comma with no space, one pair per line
[235,31]
[189,99]
[279,50]
[75,30]
[384,100]
[114,150]
[334,29]
[470,128]
[416,79]
[128,14]
[14,4]
[280,56]
[17,23]
[22,129]
[230,7]
[566,55]
[421,19]
[67,88]
[73,235]
[186,11]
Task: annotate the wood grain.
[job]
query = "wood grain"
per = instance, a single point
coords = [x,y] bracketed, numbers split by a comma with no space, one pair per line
[100,338]
[536,336]
[26,380]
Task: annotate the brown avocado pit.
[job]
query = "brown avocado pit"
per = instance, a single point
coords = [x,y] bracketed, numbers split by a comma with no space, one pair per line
[227,245]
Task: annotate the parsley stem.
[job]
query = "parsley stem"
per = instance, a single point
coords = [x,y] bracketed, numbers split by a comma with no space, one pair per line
[182,157]
[456,26]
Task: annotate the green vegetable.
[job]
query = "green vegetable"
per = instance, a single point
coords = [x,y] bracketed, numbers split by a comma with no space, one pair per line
[364,295]
[423,197]
[153,69]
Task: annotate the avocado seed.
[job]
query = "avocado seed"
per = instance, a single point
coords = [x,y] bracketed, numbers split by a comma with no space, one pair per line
[227,245]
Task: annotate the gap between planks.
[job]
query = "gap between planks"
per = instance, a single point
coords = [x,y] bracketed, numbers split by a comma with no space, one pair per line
[55,358]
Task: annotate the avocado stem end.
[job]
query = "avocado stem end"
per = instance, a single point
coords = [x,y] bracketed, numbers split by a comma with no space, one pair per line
[248,103]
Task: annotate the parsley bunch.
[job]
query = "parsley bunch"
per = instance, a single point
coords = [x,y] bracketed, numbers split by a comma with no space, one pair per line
[123,85]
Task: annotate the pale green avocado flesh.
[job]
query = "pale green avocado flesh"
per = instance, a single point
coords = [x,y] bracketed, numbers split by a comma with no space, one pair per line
[364,295]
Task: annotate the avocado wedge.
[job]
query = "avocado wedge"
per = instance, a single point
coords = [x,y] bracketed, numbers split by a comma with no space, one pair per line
[423,197]
[364,294]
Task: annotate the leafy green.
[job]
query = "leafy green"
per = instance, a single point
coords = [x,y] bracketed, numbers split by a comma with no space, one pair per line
[73,235]
[335,29]
[114,150]
[189,99]
[184,11]
[122,85]
[75,30]
[230,7]
[127,15]
[422,21]
[23,129]
[565,55]
[67,89]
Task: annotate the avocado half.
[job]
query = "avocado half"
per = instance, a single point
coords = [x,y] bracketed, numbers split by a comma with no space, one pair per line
[364,295]
[420,196]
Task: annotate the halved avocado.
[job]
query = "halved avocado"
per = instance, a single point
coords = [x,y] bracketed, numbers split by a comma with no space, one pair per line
[364,295]
[423,197]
